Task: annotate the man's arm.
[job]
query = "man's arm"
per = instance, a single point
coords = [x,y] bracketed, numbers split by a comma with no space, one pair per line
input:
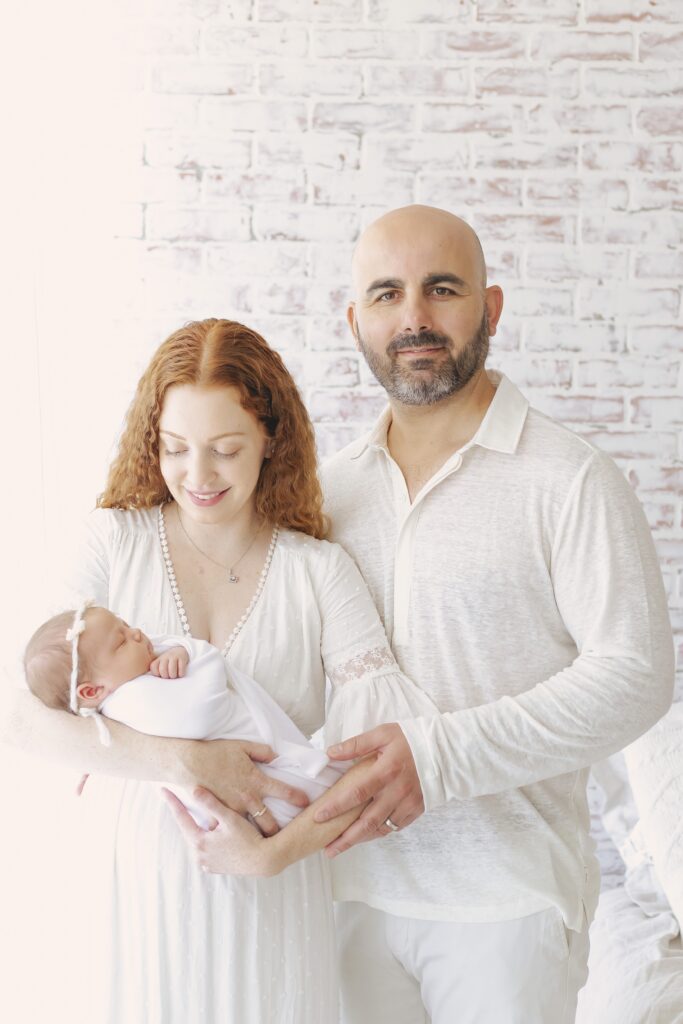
[608,589]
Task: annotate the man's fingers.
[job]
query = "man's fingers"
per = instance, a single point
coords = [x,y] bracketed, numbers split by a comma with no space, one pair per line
[359,794]
[186,823]
[362,830]
[357,746]
[372,823]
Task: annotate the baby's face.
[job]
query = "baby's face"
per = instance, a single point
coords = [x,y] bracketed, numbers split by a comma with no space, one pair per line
[115,652]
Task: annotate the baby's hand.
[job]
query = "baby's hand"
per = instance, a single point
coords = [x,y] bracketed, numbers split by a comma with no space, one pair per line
[171,664]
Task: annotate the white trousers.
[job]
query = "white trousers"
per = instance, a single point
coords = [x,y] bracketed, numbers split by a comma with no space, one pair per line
[400,970]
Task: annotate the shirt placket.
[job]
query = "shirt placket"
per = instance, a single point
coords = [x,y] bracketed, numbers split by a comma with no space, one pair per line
[407,519]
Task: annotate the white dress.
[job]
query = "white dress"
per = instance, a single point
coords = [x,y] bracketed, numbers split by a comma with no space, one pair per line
[183,947]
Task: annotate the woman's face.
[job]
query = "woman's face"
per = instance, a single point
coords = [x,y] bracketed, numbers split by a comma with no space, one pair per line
[210,452]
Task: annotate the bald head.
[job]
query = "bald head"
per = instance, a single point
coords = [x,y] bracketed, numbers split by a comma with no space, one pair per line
[422,234]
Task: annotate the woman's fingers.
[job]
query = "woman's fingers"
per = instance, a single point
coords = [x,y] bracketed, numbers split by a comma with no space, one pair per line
[256,751]
[184,820]
[279,789]
[229,847]
[264,820]
[210,803]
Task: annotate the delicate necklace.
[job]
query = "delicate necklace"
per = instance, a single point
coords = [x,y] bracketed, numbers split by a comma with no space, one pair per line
[230,568]
[182,614]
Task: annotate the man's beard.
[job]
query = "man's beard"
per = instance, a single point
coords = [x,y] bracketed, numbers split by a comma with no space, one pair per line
[448,375]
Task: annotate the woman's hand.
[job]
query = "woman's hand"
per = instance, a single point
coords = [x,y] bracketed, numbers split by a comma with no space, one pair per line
[227,769]
[232,846]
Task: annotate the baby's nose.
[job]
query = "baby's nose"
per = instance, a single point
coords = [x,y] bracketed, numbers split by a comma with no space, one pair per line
[137,635]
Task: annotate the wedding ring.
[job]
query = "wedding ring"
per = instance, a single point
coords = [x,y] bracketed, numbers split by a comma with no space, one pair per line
[259,813]
[389,823]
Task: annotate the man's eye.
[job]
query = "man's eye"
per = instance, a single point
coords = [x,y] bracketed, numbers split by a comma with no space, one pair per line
[386,296]
[442,290]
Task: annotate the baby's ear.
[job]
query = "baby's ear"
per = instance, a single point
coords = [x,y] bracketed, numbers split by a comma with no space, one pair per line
[90,693]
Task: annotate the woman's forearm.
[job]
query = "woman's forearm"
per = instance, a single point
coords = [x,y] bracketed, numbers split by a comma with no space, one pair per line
[74,742]
[303,835]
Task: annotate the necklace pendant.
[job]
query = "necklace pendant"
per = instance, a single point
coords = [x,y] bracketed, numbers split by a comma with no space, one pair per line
[232,577]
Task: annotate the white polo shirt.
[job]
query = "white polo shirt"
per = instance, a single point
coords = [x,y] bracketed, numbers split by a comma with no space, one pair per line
[521,590]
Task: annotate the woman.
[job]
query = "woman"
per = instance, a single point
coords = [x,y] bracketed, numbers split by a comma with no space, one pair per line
[211,524]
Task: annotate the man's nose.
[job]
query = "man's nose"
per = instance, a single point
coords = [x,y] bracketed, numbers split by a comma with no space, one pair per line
[417,316]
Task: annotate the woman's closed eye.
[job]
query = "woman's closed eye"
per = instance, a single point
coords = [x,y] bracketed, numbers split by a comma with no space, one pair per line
[227,455]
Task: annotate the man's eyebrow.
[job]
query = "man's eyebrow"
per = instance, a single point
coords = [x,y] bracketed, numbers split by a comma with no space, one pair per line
[179,437]
[428,281]
[432,279]
[388,282]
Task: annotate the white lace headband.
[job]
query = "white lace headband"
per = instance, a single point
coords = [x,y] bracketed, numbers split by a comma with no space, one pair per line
[72,636]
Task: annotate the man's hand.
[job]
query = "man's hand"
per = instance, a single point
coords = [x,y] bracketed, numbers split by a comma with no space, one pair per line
[171,664]
[227,769]
[231,846]
[390,783]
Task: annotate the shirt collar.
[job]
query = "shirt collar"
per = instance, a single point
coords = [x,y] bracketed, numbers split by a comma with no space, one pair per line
[500,429]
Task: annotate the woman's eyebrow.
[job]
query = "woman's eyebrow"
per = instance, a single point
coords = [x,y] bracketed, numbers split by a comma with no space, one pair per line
[179,437]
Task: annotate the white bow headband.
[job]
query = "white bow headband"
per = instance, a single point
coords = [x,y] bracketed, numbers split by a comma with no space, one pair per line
[72,636]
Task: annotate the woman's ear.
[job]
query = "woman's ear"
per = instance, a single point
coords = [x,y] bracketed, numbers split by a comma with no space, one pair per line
[90,694]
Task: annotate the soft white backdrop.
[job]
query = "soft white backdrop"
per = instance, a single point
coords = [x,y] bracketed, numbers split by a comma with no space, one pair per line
[173,159]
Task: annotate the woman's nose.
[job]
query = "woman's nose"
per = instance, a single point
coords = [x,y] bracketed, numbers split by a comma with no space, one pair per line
[200,471]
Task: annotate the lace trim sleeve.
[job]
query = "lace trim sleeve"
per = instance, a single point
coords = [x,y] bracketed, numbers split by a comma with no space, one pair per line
[376,661]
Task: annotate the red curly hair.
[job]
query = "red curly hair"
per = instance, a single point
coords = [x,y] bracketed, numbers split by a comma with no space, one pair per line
[215,353]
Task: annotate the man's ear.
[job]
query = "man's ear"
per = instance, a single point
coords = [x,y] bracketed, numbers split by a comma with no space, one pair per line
[493,297]
[90,694]
[351,321]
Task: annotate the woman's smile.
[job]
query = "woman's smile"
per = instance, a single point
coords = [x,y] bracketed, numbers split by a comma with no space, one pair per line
[205,498]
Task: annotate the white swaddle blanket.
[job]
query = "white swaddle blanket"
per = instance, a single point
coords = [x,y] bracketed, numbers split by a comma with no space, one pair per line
[213,702]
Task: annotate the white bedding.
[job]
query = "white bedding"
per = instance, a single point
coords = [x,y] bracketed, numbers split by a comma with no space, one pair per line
[655,767]
[636,960]
[635,966]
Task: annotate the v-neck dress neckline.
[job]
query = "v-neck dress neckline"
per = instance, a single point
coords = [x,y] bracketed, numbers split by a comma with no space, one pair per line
[177,597]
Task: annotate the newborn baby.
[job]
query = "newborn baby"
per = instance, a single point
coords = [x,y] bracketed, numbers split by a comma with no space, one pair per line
[92,663]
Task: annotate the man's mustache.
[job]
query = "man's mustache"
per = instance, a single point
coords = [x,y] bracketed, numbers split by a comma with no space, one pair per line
[425,339]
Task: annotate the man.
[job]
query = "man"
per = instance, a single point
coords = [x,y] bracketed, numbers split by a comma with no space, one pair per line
[519,587]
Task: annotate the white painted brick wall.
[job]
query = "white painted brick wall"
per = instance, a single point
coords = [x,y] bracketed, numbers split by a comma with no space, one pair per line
[271,131]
